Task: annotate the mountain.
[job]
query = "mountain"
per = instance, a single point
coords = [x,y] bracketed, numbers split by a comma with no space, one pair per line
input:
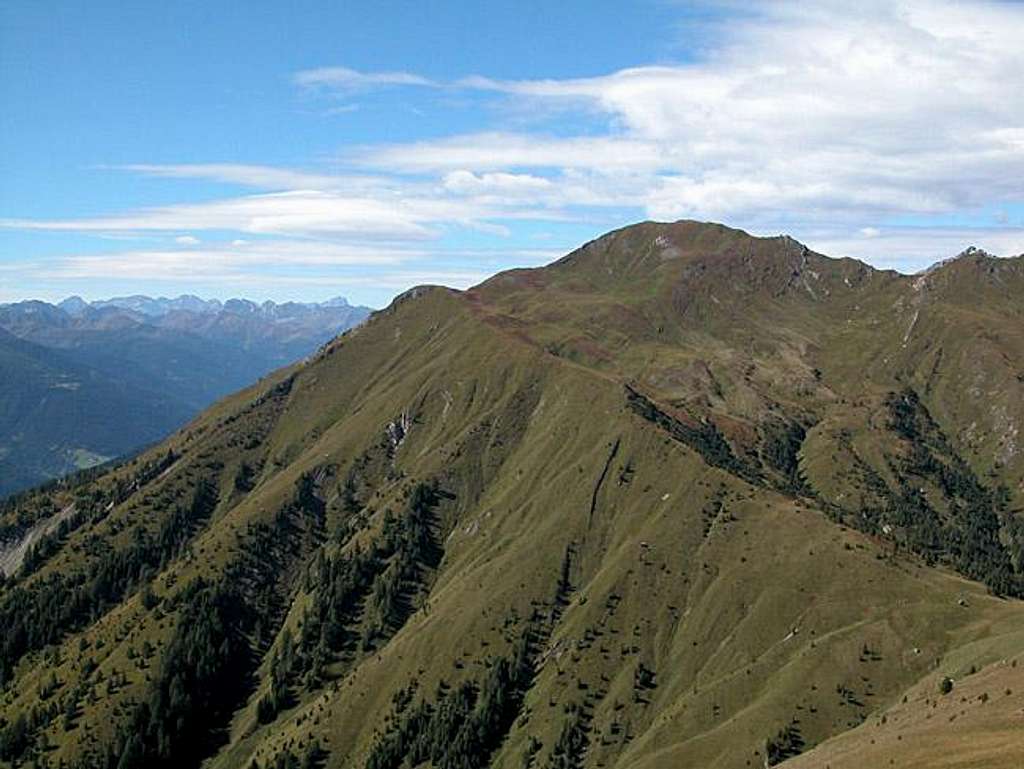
[57,415]
[684,498]
[150,365]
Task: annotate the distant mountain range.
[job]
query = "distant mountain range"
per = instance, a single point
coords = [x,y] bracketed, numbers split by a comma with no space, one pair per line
[87,381]
[158,307]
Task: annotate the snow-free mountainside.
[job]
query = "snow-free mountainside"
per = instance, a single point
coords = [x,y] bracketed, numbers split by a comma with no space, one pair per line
[684,498]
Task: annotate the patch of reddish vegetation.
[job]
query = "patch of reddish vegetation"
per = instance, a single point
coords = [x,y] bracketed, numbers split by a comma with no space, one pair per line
[590,348]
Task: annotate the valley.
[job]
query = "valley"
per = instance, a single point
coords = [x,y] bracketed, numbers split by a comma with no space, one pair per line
[85,383]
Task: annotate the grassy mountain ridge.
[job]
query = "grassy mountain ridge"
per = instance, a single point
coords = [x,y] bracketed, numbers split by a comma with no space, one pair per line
[670,501]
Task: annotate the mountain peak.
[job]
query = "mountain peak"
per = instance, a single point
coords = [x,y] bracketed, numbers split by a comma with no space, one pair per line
[337,301]
[970,269]
[971,252]
[74,305]
[974,251]
[158,307]
[688,260]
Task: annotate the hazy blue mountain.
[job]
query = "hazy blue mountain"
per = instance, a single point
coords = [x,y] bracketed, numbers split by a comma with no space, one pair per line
[58,414]
[151,363]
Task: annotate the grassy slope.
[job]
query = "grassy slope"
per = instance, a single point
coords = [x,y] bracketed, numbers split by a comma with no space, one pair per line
[750,611]
[976,726]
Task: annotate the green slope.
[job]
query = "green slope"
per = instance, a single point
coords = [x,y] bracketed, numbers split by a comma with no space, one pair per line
[684,498]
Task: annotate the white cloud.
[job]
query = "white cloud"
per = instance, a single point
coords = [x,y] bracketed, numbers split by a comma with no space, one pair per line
[468,183]
[274,268]
[291,213]
[498,150]
[832,109]
[345,79]
[187,240]
[384,285]
[380,208]
[270,259]
[220,260]
[398,280]
[342,109]
[909,249]
[261,177]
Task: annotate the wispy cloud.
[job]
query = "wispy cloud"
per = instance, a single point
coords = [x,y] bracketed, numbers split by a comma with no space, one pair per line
[345,79]
[285,213]
[270,267]
[261,177]
[910,249]
[290,260]
[234,258]
[500,150]
[390,209]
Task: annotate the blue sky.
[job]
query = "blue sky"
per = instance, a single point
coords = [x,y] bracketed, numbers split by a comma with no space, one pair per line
[310,149]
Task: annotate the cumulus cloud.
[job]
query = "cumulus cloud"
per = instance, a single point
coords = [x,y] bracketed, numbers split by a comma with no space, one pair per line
[833,109]
[187,240]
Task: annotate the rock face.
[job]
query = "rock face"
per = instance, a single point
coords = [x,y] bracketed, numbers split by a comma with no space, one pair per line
[14,551]
[684,498]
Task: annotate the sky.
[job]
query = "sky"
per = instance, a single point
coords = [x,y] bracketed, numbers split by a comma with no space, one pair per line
[303,150]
